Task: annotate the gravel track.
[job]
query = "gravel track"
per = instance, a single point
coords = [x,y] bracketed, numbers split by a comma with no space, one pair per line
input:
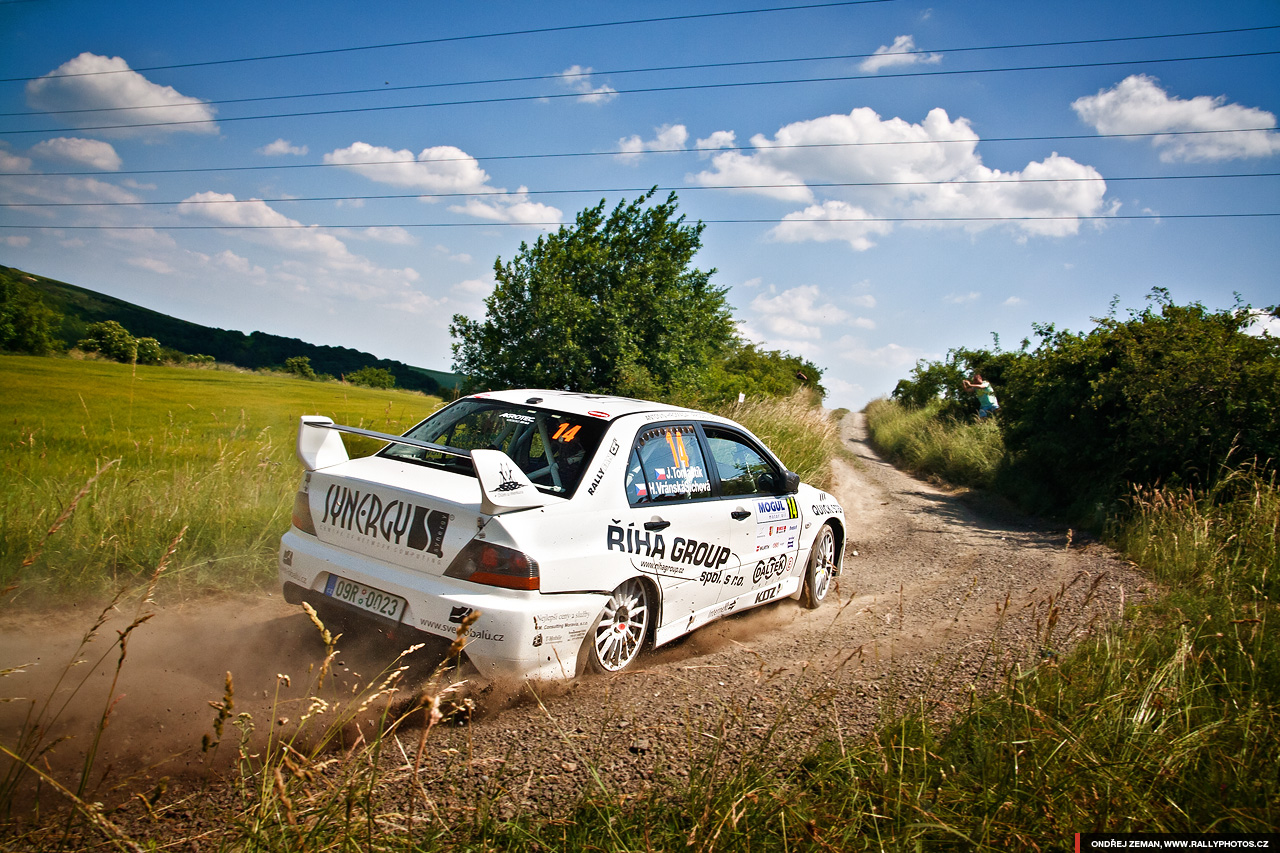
[941,592]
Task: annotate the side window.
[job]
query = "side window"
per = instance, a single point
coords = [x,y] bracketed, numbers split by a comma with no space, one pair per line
[742,468]
[666,465]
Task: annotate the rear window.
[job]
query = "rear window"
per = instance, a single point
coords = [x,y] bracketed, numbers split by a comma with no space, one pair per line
[552,448]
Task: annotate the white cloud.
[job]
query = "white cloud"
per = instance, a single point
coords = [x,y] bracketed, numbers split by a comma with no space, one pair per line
[92,82]
[578,79]
[16,241]
[925,171]
[10,162]
[1137,104]
[1012,300]
[393,235]
[831,220]
[282,146]
[88,152]
[515,207]
[865,300]
[901,52]
[474,286]
[155,265]
[1264,323]
[239,265]
[668,137]
[796,313]
[856,351]
[459,257]
[719,139]
[442,169]
[311,257]
[962,298]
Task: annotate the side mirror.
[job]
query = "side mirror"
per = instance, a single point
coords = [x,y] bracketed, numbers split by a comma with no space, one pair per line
[790,482]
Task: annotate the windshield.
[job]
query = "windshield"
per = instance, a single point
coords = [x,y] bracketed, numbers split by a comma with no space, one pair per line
[550,447]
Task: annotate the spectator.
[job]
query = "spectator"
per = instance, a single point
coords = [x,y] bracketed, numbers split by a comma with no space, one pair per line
[987,403]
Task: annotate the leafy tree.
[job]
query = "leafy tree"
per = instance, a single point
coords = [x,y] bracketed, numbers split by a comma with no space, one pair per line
[1166,395]
[111,340]
[609,305]
[755,372]
[372,377]
[944,380]
[300,366]
[26,323]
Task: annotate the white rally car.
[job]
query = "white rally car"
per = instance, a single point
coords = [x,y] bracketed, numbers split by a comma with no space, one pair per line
[573,529]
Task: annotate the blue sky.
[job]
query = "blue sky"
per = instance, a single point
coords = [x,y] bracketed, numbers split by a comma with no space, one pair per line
[881,181]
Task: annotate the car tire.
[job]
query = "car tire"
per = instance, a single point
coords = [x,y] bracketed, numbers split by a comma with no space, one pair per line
[823,564]
[620,633]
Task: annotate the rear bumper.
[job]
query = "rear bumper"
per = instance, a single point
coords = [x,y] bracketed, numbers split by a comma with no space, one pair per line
[516,635]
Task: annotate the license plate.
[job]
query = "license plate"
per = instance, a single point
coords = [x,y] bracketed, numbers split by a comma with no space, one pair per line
[365,597]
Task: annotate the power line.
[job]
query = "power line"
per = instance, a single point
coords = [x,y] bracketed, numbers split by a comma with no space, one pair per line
[651,90]
[773,221]
[473,37]
[687,188]
[649,70]
[615,153]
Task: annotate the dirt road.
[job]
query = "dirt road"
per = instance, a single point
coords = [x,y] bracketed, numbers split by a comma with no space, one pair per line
[937,597]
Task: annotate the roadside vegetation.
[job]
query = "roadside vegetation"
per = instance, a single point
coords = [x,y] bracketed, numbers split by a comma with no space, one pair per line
[104,463]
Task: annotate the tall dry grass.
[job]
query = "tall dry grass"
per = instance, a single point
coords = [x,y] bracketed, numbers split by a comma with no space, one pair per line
[803,435]
[923,442]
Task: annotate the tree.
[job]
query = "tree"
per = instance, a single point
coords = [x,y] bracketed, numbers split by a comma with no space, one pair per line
[300,366]
[759,373]
[609,305]
[111,340]
[26,323]
[372,377]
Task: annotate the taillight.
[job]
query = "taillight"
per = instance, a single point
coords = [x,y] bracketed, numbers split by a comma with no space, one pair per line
[495,565]
[302,507]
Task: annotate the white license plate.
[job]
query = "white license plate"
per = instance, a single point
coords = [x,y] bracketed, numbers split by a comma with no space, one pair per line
[365,597]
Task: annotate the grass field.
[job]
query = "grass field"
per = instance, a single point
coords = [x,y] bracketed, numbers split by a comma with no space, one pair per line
[209,450]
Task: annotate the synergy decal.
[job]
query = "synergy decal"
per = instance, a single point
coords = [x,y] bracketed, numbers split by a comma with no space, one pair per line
[776,509]
[421,529]
[691,552]
[614,447]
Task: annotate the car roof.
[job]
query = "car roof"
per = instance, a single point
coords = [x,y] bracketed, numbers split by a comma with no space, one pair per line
[603,406]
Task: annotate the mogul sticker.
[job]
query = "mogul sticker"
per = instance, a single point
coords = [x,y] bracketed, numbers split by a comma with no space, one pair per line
[776,509]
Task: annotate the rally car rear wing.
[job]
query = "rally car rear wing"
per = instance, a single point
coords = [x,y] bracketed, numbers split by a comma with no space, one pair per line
[503,486]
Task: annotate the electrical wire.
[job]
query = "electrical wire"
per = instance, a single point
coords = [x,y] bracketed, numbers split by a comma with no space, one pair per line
[650,90]
[606,190]
[556,155]
[653,69]
[774,221]
[474,37]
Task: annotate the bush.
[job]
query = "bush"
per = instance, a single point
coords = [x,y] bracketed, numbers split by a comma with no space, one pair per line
[110,340]
[372,377]
[1162,397]
[149,351]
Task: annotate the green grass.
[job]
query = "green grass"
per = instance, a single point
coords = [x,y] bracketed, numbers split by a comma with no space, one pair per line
[961,453]
[211,450]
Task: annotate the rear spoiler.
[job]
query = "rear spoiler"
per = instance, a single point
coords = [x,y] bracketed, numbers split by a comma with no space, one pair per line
[503,486]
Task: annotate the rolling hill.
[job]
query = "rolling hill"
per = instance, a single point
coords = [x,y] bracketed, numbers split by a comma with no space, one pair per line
[80,306]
